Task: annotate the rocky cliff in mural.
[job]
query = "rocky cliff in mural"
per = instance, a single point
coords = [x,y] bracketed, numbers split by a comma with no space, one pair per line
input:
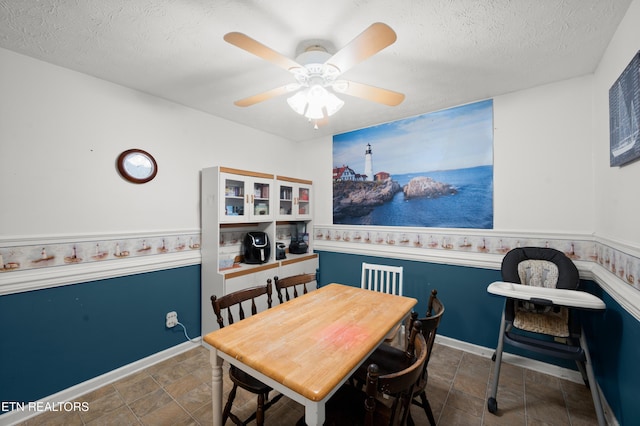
[423,186]
[358,198]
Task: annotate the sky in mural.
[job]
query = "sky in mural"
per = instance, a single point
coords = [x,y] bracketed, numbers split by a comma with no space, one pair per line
[453,138]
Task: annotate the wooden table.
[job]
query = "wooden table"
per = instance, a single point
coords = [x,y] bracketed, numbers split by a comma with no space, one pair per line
[308,347]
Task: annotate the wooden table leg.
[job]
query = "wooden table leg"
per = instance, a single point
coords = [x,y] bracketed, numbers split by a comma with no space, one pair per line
[216,386]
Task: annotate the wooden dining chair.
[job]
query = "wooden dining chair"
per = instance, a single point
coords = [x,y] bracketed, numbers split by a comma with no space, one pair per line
[389,358]
[430,323]
[283,285]
[386,398]
[234,302]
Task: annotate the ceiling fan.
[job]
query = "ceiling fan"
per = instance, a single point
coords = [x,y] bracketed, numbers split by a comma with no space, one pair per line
[317,72]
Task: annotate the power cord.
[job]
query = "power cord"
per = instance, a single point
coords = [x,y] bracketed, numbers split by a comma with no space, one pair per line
[196,340]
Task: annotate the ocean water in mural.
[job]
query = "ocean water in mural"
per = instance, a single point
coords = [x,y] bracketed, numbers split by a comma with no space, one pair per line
[470,207]
[434,170]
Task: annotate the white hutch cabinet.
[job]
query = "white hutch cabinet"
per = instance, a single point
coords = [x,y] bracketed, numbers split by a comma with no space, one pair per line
[234,202]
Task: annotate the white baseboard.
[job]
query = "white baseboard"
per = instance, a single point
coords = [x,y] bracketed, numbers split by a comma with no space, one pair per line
[520,361]
[530,364]
[74,392]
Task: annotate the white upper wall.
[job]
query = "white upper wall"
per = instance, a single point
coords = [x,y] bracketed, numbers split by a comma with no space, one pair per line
[616,188]
[61,132]
[542,159]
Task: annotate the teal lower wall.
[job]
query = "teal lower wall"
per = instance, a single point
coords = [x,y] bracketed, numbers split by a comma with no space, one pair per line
[614,341]
[56,338]
[472,315]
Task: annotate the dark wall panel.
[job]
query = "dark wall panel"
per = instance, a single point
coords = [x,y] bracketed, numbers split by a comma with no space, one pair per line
[55,338]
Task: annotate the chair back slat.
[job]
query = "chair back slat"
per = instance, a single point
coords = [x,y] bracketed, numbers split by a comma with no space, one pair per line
[236,299]
[283,285]
[382,278]
[430,323]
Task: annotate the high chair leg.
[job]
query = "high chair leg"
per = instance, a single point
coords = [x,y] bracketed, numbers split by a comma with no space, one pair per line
[492,403]
[593,385]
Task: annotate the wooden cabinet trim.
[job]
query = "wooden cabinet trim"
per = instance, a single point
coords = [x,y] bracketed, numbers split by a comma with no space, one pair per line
[298,259]
[246,173]
[294,180]
[251,270]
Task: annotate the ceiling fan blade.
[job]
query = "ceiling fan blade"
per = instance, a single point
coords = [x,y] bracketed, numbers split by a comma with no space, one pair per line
[371,93]
[252,100]
[368,43]
[245,42]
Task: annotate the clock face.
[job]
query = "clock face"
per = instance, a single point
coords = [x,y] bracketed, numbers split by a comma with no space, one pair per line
[137,166]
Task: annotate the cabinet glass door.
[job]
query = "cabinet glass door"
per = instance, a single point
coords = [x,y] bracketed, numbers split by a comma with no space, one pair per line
[303,201]
[234,202]
[261,199]
[286,201]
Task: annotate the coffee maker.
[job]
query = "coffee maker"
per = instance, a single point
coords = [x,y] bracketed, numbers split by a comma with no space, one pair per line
[299,240]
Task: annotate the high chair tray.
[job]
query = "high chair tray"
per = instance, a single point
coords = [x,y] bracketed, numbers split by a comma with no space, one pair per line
[562,297]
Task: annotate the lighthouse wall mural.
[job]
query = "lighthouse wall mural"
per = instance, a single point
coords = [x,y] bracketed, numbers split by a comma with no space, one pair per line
[432,170]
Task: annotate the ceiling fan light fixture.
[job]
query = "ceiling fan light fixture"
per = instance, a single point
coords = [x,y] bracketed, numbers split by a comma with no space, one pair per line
[315,102]
[333,104]
[298,102]
[314,111]
[316,94]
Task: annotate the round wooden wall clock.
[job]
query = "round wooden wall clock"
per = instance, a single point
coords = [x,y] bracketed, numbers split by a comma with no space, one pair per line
[137,166]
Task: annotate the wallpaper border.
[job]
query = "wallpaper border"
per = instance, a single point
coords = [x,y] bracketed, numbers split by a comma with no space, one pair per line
[34,263]
[615,266]
[48,261]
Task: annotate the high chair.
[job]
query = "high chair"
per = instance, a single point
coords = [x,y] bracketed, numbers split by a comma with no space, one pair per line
[541,290]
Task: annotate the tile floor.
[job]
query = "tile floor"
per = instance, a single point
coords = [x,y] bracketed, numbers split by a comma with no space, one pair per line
[178,392]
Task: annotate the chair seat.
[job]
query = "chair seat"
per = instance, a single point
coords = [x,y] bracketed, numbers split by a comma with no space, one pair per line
[388,359]
[553,323]
[247,381]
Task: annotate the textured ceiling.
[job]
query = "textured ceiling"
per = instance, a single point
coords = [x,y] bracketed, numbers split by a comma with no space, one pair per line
[448,52]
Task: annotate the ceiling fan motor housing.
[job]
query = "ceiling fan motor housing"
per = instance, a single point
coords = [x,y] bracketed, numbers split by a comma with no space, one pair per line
[315,70]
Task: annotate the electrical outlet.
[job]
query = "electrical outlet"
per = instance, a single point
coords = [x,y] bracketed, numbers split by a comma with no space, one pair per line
[172,319]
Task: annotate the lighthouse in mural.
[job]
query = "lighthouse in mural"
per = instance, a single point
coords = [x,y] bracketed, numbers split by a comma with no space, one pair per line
[368,164]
